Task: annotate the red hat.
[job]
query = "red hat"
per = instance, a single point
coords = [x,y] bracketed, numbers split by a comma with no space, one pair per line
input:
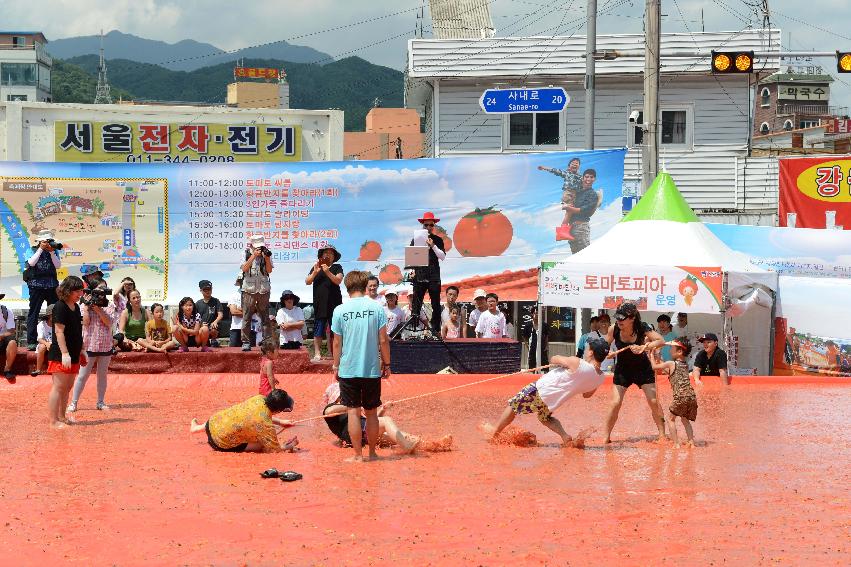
[429,216]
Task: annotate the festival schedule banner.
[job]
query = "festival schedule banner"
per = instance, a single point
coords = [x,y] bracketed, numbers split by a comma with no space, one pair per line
[157,142]
[815,192]
[656,288]
[169,226]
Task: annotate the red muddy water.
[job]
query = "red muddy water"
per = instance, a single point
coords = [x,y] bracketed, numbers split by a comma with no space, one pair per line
[768,482]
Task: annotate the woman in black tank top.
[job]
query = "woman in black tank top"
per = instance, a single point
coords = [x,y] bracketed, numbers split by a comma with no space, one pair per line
[632,365]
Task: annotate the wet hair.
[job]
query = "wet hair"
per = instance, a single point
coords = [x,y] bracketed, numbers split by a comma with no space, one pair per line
[686,345]
[278,401]
[495,296]
[68,285]
[356,281]
[590,171]
[455,287]
[663,317]
[267,346]
[183,302]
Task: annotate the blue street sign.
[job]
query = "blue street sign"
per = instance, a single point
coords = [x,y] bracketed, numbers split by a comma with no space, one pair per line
[507,101]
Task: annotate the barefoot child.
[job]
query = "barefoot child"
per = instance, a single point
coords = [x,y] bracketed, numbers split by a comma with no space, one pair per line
[158,331]
[268,353]
[684,404]
[188,330]
[570,376]
[248,426]
[388,432]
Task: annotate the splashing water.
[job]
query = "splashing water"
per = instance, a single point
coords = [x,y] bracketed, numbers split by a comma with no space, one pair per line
[513,435]
[442,445]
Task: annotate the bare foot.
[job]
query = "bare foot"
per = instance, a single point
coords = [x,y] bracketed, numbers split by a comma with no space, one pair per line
[567,441]
[68,420]
[193,425]
[290,445]
[371,457]
[487,428]
[408,443]
[690,443]
[59,425]
[355,459]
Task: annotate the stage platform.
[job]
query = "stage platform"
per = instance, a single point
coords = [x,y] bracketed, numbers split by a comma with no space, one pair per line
[464,356]
[224,360]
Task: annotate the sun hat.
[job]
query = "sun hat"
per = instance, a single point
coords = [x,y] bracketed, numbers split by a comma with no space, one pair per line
[429,216]
[289,293]
[479,293]
[257,241]
[45,234]
[337,254]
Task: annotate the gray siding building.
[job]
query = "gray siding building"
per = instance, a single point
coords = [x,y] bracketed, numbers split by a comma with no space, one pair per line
[705,122]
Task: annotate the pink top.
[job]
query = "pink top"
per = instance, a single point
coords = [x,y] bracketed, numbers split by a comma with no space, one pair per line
[265,386]
[453,331]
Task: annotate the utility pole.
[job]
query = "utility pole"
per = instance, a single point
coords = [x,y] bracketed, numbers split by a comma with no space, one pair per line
[590,49]
[650,146]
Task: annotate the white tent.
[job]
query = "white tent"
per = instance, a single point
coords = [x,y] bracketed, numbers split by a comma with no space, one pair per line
[659,254]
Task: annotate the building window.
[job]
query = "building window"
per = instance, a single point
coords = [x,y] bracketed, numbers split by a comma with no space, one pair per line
[675,128]
[44,78]
[764,128]
[16,98]
[532,129]
[788,125]
[19,41]
[765,97]
[809,123]
[18,74]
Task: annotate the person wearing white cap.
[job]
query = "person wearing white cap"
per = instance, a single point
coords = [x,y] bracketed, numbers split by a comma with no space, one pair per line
[42,280]
[256,287]
[480,297]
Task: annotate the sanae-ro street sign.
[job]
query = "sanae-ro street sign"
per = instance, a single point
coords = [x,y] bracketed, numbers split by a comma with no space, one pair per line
[506,101]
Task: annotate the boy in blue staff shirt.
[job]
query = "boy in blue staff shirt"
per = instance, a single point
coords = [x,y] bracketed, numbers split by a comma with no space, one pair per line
[361,359]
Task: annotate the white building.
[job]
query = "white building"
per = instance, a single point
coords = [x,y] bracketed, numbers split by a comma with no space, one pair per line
[705,122]
[24,67]
[35,131]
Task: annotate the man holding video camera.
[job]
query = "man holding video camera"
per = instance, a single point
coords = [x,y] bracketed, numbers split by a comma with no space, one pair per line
[41,279]
[256,287]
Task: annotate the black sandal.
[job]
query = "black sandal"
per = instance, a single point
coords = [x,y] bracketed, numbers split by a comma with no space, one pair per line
[270,473]
[289,476]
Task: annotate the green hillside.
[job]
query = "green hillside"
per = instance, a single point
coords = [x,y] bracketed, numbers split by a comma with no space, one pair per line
[350,84]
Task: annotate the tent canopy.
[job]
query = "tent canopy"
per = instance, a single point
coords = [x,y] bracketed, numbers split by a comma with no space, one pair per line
[662,230]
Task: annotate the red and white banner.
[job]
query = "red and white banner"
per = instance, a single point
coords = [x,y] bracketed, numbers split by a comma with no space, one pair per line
[652,288]
[815,192]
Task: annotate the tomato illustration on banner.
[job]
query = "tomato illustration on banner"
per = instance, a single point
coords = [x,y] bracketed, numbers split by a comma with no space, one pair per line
[447,242]
[711,278]
[390,274]
[370,251]
[483,232]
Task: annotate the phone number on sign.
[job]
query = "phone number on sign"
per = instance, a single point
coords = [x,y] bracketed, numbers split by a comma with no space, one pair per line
[147,158]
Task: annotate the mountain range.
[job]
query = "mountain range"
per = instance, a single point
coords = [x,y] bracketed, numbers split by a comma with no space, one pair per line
[185,55]
[350,84]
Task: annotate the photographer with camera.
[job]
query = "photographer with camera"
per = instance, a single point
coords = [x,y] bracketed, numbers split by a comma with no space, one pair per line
[256,287]
[99,315]
[41,279]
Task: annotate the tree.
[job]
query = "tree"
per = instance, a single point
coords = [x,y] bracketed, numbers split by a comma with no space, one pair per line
[29,208]
[98,205]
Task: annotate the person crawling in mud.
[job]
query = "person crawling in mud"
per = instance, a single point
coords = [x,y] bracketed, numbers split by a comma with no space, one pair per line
[389,434]
[568,376]
[249,425]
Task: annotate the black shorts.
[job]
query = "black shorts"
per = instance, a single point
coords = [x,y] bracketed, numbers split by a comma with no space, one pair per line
[639,379]
[4,342]
[191,342]
[360,392]
[339,426]
[238,449]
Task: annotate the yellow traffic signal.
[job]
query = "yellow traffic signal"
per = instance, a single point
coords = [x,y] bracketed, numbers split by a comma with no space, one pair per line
[843,61]
[732,61]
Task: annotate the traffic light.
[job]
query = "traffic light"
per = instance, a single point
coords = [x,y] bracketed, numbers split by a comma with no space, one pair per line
[843,61]
[732,61]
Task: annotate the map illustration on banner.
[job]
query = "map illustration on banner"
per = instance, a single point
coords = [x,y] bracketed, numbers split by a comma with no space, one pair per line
[815,192]
[170,225]
[113,225]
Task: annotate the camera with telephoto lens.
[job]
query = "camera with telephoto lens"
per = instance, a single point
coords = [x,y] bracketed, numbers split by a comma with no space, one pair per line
[97,296]
[55,245]
[265,251]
